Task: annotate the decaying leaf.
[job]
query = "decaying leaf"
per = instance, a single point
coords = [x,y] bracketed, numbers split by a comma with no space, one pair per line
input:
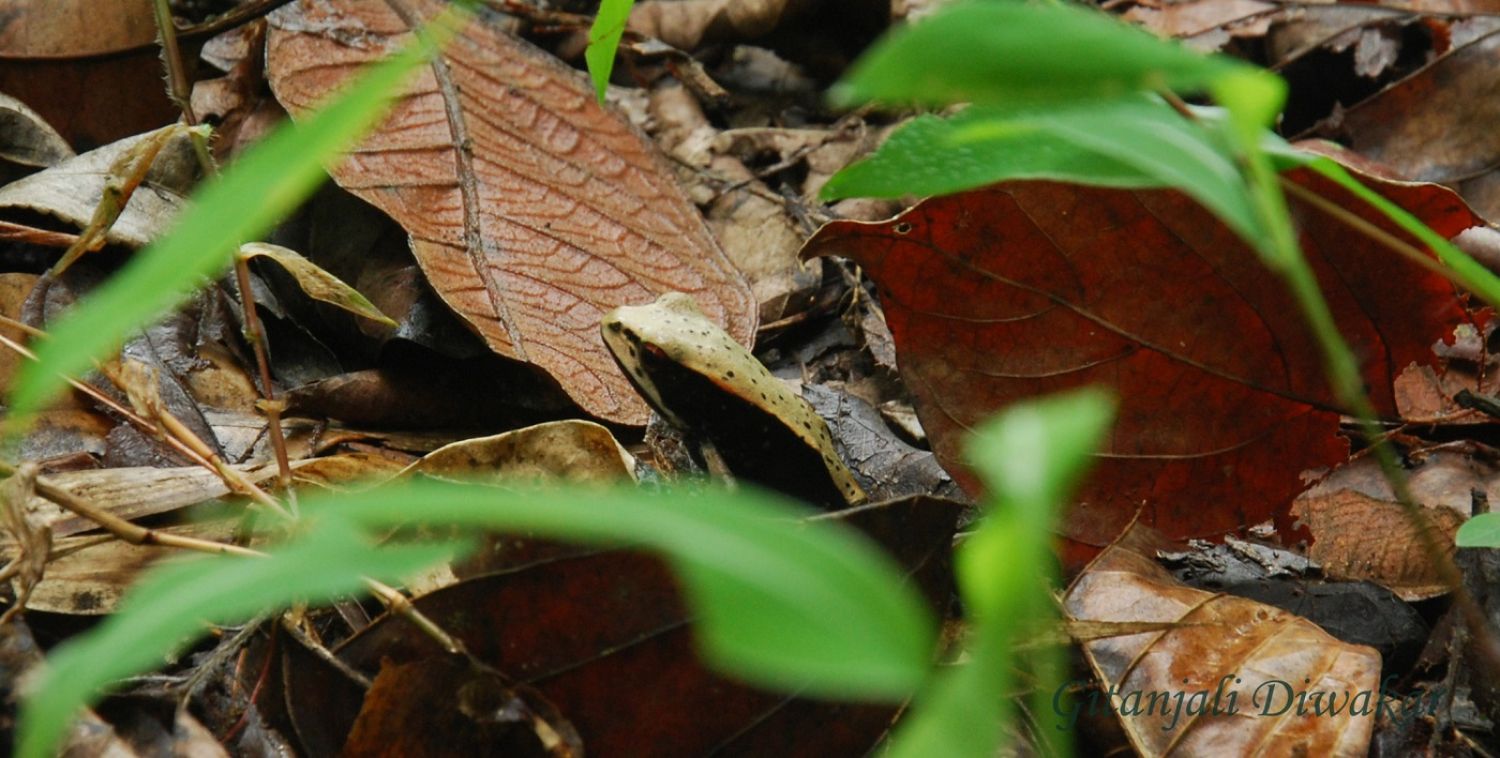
[1029,288]
[317,283]
[531,209]
[90,573]
[477,712]
[71,191]
[1433,125]
[1360,531]
[26,140]
[30,534]
[1235,677]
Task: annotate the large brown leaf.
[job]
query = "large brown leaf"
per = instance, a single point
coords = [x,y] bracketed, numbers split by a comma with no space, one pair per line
[1029,288]
[531,209]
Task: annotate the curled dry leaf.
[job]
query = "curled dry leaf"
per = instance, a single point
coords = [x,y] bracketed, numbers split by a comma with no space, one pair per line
[315,282]
[1235,677]
[27,140]
[1029,288]
[570,451]
[71,191]
[531,209]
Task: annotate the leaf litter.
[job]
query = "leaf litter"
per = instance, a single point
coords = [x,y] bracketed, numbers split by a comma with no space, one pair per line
[756,172]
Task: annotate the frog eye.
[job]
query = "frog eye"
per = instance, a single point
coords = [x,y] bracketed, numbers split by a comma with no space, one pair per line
[615,327]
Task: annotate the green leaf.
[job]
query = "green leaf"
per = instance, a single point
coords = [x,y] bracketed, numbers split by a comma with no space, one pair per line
[1032,454]
[1481,531]
[604,40]
[927,156]
[1130,142]
[262,187]
[315,282]
[807,606]
[1008,52]
[168,608]
[960,713]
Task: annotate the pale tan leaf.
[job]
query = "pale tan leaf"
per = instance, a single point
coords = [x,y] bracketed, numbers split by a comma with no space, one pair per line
[568,451]
[1227,679]
[531,209]
[315,282]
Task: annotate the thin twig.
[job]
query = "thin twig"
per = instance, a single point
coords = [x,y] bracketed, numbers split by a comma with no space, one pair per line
[255,334]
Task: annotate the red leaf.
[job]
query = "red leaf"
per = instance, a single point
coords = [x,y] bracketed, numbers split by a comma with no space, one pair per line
[1025,289]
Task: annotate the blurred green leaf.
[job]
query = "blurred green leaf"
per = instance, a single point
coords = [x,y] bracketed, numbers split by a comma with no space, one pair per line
[271,180]
[807,606]
[1010,52]
[1481,531]
[168,607]
[604,40]
[1031,455]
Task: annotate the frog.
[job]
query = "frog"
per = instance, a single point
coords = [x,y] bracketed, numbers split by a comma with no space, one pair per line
[700,380]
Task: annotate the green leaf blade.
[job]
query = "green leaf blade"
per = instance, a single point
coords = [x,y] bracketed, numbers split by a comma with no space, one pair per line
[604,41]
[1481,531]
[1009,52]
[169,605]
[759,576]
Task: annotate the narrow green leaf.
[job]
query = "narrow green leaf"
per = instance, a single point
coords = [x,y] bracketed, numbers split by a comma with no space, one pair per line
[1464,270]
[604,40]
[926,156]
[261,188]
[315,282]
[168,607]
[1481,531]
[807,606]
[1032,454]
[1131,142]
[1007,52]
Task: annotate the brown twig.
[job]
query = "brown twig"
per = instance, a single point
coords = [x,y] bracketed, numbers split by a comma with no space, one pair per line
[255,334]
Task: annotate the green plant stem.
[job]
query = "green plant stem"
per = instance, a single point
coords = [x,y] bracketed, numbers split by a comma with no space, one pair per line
[1348,386]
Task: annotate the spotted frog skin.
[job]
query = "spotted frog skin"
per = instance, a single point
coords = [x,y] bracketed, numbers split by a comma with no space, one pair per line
[700,380]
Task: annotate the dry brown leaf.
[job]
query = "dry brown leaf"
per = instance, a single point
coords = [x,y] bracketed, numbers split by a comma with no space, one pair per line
[571,451]
[1226,681]
[29,531]
[531,209]
[26,139]
[1360,531]
[71,190]
[93,572]
[315,282]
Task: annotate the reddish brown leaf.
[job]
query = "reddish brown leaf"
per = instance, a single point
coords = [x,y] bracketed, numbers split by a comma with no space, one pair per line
[531,209]
[1025,289]
[1437,124]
